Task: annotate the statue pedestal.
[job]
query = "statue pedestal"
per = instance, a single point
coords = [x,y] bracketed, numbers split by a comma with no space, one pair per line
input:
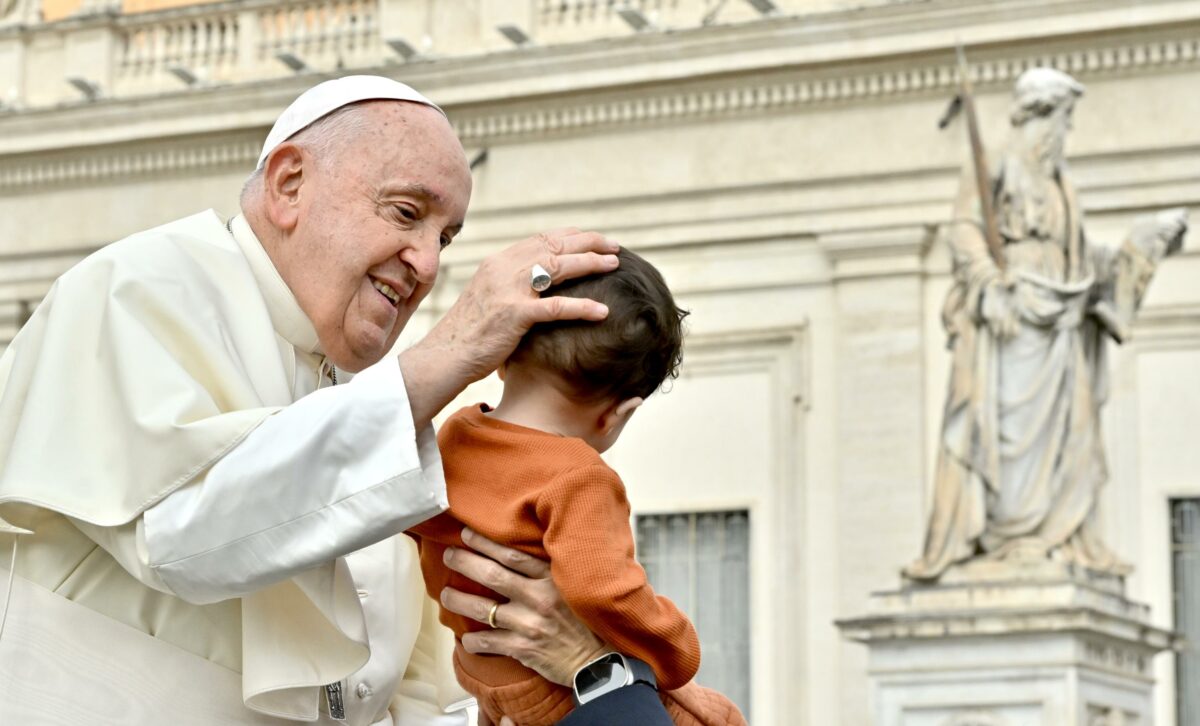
[993,644]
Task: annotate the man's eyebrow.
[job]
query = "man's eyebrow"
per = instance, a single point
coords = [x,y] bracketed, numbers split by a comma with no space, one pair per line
[415,190]
[420,190]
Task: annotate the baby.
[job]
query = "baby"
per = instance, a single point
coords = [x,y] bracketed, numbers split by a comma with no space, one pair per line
[528,474]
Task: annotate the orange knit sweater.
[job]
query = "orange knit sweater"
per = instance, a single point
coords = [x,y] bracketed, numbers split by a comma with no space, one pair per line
[555,499]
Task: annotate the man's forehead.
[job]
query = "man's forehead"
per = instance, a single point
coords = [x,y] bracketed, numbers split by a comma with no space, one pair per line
[417,128]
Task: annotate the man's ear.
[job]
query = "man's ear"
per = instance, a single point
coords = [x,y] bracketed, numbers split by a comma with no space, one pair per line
[283,176]
[618,414]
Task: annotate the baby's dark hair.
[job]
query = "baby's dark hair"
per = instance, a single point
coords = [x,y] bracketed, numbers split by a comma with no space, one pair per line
[630,353]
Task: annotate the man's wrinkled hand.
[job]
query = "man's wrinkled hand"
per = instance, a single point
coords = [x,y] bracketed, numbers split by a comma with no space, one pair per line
[534,626]
[498,306]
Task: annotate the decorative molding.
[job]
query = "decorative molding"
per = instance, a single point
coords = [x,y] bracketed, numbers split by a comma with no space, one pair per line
[1098,715]
[878,252]
[1116,658]
[706,99]
[1133,634]
[756,348]
[98,166]
[1160,328]
[975,718]
[813,89]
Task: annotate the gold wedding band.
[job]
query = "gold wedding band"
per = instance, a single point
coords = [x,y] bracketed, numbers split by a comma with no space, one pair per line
[492,614]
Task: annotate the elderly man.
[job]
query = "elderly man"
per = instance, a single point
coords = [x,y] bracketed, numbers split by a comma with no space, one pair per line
[1021,460]
[206,502]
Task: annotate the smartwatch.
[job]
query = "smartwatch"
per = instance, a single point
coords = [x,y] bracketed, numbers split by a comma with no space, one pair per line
[608,673]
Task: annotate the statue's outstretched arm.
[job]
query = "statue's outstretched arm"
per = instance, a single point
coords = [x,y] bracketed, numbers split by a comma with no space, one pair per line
[1124,275]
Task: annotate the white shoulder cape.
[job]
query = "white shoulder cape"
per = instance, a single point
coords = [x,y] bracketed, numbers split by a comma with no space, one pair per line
[143,365]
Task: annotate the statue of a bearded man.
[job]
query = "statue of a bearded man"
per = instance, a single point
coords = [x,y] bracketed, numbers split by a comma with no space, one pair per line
[1021,460]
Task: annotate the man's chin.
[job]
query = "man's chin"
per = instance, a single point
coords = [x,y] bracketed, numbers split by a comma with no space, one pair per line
[367,352]
[352,358]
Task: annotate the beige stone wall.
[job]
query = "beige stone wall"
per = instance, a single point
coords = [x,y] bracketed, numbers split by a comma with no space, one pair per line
[787,175]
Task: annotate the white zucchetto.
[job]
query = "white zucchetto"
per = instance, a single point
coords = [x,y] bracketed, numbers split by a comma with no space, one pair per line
[325,98]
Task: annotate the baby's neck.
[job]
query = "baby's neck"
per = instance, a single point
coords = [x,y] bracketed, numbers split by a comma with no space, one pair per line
[537,405]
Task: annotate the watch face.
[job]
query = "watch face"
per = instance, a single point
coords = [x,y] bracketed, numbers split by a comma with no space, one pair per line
[601,677]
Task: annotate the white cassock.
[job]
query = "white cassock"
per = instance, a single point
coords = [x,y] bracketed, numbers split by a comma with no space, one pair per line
[211,529]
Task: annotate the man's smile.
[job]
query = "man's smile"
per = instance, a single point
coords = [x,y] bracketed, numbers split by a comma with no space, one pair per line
[387,291]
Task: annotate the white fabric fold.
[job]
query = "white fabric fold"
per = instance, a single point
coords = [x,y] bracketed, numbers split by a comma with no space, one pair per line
[145,364]
[330,474]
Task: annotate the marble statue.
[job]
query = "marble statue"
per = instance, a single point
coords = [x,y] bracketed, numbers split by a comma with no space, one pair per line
[1021,460]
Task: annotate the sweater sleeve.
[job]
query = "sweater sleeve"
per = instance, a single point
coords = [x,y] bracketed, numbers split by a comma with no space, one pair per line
[586,518]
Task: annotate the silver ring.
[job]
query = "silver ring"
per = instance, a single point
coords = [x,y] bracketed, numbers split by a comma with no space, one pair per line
[539,279]
[492,614]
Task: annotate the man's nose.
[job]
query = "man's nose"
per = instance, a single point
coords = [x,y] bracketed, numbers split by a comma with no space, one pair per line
[423,257]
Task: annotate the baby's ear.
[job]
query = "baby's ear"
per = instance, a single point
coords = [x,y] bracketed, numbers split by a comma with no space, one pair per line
[617,415]
[626,408]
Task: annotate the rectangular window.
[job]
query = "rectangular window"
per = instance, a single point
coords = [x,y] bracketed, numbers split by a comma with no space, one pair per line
[1185,550]
[702,562]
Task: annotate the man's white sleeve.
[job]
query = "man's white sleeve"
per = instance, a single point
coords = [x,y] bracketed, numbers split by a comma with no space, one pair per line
[338,470]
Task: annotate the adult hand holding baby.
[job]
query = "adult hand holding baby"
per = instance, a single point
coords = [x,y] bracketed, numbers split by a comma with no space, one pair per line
[535,626]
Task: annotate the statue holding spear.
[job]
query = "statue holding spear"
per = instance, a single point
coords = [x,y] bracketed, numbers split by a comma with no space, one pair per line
[1021,460]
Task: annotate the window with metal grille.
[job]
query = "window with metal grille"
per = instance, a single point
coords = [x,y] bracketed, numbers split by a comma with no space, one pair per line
[1185,550]
[701,561]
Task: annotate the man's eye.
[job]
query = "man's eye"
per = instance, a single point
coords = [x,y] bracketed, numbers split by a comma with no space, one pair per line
[407,213]
[446,240]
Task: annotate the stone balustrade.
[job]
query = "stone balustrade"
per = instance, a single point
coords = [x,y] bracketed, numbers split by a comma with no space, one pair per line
[206,43]
[103,53]
[232,42]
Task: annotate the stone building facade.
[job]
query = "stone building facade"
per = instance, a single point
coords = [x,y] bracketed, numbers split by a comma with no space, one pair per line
[785,171]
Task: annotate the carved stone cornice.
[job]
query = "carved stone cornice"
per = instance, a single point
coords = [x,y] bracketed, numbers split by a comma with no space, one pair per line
[1118,633]
[895,79]
[102,165]
[727,74]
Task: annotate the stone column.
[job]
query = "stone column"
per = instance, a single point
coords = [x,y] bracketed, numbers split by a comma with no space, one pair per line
[12,69]
[249,62]
[878,283]
[15,17]
[91,50]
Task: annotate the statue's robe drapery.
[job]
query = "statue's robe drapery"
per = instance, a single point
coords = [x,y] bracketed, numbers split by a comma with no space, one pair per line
[1021,460]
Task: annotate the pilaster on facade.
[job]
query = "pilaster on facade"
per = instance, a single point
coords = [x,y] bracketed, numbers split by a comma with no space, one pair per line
[877,252]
